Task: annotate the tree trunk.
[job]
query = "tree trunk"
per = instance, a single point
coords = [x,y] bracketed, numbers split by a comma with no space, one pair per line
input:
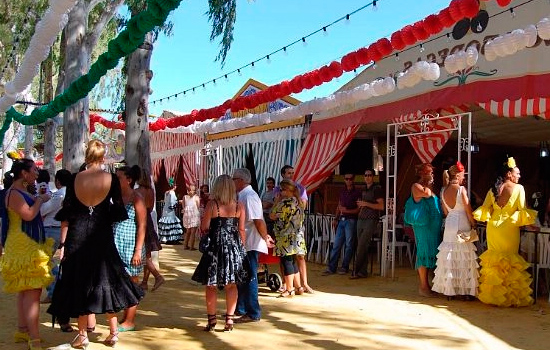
[137,111]
[76,123]
[50,129]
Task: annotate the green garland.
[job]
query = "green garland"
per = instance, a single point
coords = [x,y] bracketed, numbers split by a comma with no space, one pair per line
[124,44]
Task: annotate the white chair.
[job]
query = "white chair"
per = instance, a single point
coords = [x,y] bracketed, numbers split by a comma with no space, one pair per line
[399,247]
[544,257]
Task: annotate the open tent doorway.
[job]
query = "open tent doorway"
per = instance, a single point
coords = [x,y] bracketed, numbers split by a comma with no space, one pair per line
[427,133]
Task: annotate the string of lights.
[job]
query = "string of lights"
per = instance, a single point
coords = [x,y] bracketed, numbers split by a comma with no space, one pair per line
[267,57]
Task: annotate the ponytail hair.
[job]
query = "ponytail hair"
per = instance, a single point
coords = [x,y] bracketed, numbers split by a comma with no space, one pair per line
[131,172]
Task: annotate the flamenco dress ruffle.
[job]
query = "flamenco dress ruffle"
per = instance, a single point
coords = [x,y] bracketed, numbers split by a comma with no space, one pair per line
[25,263]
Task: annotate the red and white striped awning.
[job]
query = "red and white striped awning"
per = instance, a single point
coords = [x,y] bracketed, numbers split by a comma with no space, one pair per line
[168,147]
[428,145]
[518,108]
[320,154]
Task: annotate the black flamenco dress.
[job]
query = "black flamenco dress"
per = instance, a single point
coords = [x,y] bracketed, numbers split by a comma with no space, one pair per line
[93,279]
[225,261]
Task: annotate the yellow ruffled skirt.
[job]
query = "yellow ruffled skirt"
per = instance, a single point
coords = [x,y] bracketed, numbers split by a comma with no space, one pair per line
[25,263]
[504,281]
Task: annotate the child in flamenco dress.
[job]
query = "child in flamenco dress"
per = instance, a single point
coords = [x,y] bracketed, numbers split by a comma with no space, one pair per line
[170,230]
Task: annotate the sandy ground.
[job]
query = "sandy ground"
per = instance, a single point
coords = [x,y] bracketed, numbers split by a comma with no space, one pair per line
[372,313]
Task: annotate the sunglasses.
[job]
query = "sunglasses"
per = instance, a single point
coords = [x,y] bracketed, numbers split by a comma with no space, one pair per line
[348,178]
[369,175]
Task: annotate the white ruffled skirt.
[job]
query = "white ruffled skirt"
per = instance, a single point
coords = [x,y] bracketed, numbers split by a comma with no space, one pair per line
[456,270]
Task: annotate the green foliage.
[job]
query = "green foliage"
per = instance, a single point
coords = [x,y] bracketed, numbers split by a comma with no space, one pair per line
[17,23]
[222,14]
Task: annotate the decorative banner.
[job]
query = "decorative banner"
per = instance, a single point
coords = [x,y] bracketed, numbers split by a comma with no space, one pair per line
[124,44]
[46,31]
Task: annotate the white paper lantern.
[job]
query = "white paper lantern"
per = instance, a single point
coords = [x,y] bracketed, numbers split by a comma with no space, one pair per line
[389,84]
[530,35]
[450,64]
[434,72]
[400,82]
[543,28]
[471,56]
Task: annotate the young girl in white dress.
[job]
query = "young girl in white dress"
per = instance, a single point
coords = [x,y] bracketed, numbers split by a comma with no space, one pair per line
[457,268]
[191,216]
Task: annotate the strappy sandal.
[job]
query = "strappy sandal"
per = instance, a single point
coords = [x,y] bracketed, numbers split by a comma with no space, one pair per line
[228,323]
[300,291]
[286,294]
[111,340]
[212,321]
[80,341]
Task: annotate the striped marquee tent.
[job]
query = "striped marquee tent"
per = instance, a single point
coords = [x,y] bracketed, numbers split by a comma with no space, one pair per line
[515,86]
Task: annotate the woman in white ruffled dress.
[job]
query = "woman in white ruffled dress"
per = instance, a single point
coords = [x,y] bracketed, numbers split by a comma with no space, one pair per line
[170,230]
[456,273]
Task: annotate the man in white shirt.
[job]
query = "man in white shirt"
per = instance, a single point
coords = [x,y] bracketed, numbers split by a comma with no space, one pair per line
[257,241]
[52,227]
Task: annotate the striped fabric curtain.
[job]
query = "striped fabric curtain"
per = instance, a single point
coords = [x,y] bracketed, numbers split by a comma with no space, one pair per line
[169,147]
[428,145]
[522,107]
[320,154]
[227,156]
[278,148]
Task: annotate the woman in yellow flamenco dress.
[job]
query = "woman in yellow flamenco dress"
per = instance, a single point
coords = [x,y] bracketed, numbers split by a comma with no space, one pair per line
[25,262]
[504,280]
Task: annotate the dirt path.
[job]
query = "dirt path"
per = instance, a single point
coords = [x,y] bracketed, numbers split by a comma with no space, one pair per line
[373,313]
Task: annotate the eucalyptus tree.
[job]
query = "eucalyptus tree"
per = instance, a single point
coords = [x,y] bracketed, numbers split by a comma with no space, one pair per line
[222,15]
[87,20]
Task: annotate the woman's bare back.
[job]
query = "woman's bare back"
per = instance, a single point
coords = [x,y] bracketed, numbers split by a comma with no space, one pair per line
[506,191]
[92,186]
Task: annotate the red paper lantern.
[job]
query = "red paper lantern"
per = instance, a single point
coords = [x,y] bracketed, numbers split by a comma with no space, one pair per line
[397,41]
[316,78]
[374,54]
[419,32]
[445,18]
[503,3]
[469,8]
[286,88]
[384,47]
[432,25]
[336,69]
[324,74]
[363,55]
[346,63]
[455,10]
[407,35]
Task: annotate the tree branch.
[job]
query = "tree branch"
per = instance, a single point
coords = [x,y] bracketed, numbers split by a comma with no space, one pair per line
[110,9]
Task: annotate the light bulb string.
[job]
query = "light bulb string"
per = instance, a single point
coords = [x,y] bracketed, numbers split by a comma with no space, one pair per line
[269,55]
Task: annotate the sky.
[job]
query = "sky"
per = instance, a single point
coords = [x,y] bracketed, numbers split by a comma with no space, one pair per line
[187,58]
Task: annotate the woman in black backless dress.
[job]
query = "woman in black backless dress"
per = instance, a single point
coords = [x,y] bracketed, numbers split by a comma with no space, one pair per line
[93,280]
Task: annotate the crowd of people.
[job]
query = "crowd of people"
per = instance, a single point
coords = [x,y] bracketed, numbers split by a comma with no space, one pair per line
[99,228]
[502,279]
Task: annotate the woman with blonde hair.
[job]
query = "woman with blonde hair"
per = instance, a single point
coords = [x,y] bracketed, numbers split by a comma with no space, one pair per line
[504,280]
[288,215]
[224,263]
[191,216]
[423,213]
[456,272]
[25,264]
[93,277]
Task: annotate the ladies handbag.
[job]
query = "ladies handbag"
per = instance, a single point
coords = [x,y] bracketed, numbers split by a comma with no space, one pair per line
[204,243]
[467,236]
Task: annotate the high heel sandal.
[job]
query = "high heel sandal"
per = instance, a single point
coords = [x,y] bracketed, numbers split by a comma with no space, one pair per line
[286,294]
[228,323]
[80,341]
[111,340]
[212,321]
[21,337]
[35,344]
